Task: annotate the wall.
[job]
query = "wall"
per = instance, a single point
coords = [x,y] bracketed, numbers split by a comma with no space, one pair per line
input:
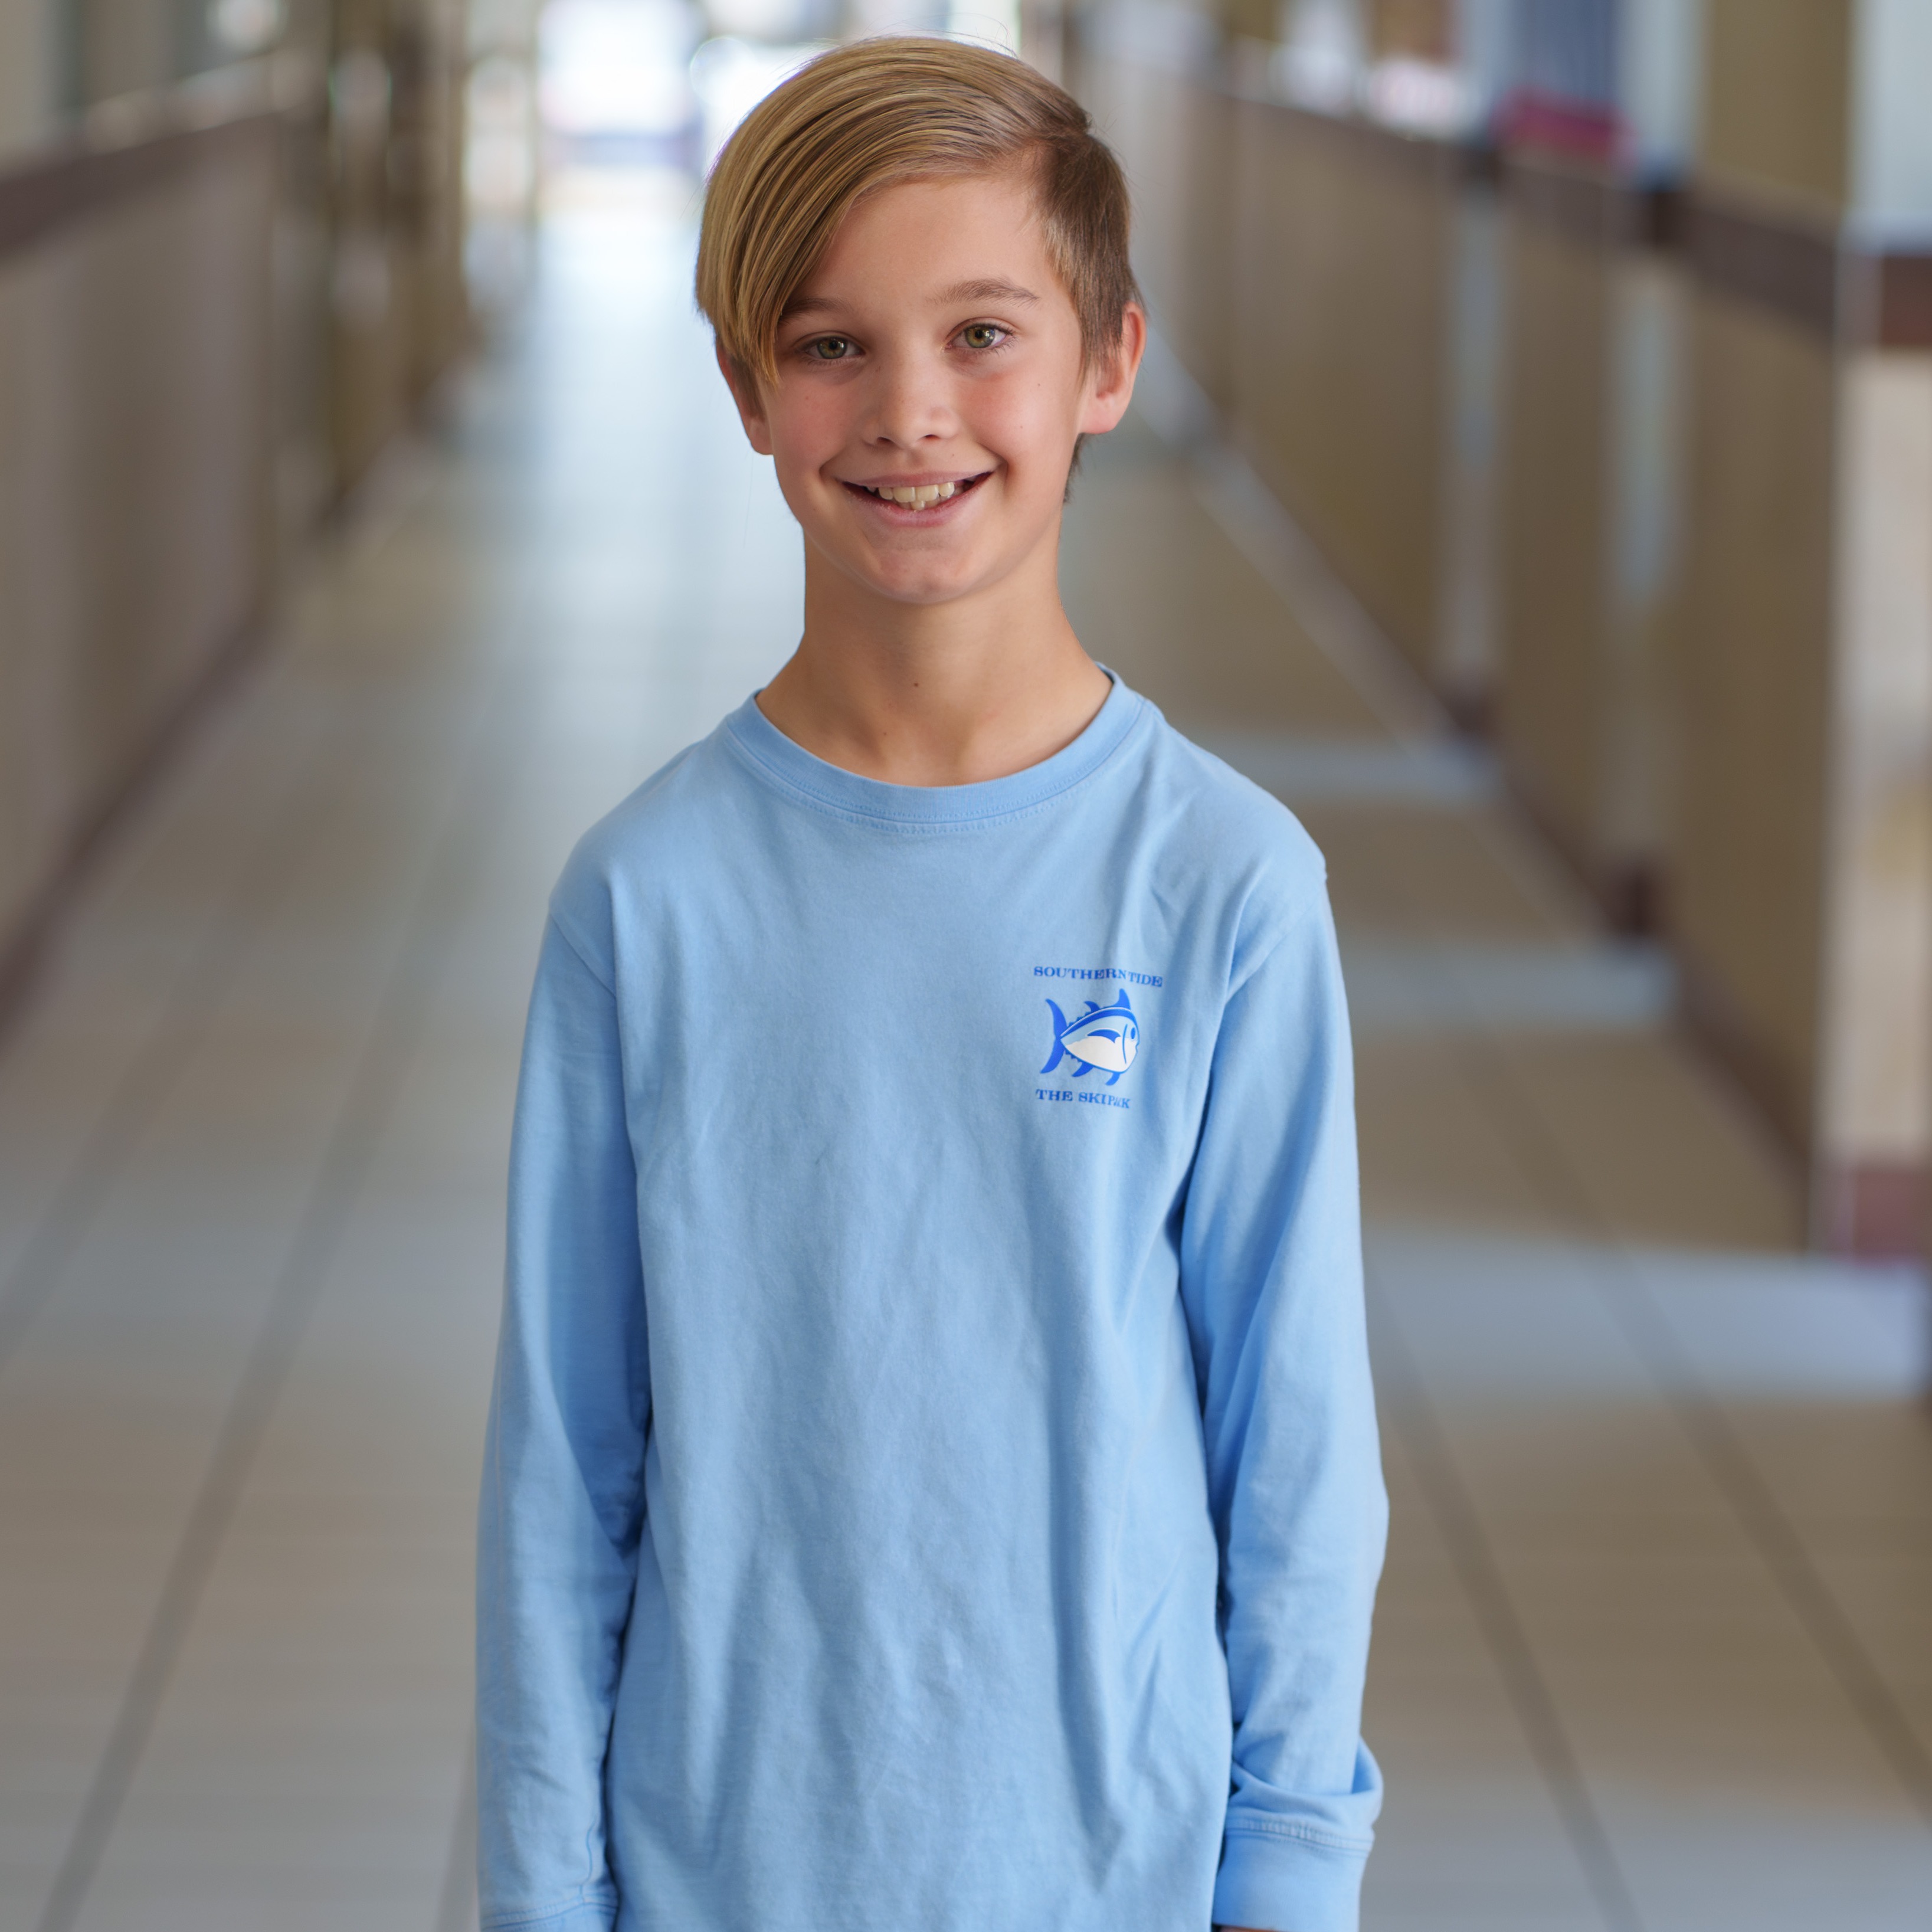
[1596,145]
[1341,296]
[1555,626]
[1806,913]
[136,529]
[28,73]
[219,300]
[1625,438]
[1747,904]
[1777,103]
[1874,1109]
[1301,264]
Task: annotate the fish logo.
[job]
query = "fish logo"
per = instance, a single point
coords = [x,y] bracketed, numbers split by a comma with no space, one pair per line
[1103,1037]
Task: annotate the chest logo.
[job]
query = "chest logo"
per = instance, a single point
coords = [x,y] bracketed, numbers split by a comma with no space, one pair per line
[1102,1039]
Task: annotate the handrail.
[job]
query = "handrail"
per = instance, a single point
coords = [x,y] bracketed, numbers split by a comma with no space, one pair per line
[125,146]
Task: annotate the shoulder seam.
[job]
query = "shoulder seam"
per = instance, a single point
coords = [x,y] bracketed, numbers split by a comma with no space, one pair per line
[582,958]
[1302,914]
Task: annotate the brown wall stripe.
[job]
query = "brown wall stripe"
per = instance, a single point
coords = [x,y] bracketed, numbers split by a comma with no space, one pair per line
[1806,275]
[47,193]
[1592,208]
[1791,270]
[1905,301]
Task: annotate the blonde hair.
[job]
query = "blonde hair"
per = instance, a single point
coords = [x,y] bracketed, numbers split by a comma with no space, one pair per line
[881,112]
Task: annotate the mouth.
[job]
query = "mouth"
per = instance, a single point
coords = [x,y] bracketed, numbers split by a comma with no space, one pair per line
[922,499]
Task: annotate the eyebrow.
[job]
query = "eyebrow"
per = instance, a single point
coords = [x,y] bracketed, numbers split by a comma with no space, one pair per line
[991,291]
[960,292]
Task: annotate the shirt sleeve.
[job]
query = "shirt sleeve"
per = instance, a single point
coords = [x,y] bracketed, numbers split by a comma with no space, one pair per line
[1271,1279]
[562,1506]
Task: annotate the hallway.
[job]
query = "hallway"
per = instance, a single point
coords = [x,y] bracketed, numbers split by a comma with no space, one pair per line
[1653,1646]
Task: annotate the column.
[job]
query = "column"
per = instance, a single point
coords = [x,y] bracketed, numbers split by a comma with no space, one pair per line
[1803,906]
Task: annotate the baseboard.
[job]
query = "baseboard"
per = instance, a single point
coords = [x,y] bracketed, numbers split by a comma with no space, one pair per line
[1628,892]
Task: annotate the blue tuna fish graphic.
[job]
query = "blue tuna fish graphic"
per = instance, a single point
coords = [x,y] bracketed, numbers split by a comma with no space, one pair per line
[1105,1037]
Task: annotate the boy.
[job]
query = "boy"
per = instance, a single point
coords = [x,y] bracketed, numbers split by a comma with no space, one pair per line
[932,1480]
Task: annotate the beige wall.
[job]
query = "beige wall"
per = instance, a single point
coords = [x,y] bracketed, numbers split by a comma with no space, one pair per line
[1300,268]
[1342,249]
[1756,689]
[135,543]
[1874,1109]
[1805,856]
[1777,101]
[1804,909]
[1588,544]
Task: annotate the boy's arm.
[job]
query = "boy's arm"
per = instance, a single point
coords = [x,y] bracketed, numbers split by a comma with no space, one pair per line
[1271,1279]
[562,1506]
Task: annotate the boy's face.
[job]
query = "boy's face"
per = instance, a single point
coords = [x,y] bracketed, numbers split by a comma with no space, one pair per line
[934,348]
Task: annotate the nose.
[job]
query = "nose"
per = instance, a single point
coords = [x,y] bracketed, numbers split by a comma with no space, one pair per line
[909,402]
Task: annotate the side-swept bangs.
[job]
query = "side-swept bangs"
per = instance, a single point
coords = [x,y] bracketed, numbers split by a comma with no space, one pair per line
[880,112]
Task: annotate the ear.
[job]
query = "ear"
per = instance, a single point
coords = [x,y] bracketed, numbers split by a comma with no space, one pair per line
[744,389]
[1110,383]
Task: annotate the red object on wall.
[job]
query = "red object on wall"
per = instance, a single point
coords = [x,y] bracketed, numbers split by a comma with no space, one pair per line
[1553,124]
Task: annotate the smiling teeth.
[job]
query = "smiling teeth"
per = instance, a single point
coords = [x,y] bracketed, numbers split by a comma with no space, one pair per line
[919,495]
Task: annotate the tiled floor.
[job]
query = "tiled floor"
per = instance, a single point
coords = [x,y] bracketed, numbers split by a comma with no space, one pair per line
[1655,1646]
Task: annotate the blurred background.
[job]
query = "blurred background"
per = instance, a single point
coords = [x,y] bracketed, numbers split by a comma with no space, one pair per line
[1531,483]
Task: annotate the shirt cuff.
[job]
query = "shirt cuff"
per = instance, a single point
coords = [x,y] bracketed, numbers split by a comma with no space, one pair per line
[586,1915]
[1282,1881]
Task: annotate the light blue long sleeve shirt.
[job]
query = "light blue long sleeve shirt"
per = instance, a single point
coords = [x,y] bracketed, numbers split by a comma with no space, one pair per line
[932,1482]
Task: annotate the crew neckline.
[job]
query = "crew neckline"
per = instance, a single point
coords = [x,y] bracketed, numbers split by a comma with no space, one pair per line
[830,787]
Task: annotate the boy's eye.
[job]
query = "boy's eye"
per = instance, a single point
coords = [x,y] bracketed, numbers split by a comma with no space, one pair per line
[830,348]
[983,335]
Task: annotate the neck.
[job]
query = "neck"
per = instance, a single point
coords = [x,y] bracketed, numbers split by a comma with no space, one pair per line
[956,693]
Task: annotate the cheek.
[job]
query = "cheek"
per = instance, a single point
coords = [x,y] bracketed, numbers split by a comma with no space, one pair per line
[1027,422]
[808,426]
